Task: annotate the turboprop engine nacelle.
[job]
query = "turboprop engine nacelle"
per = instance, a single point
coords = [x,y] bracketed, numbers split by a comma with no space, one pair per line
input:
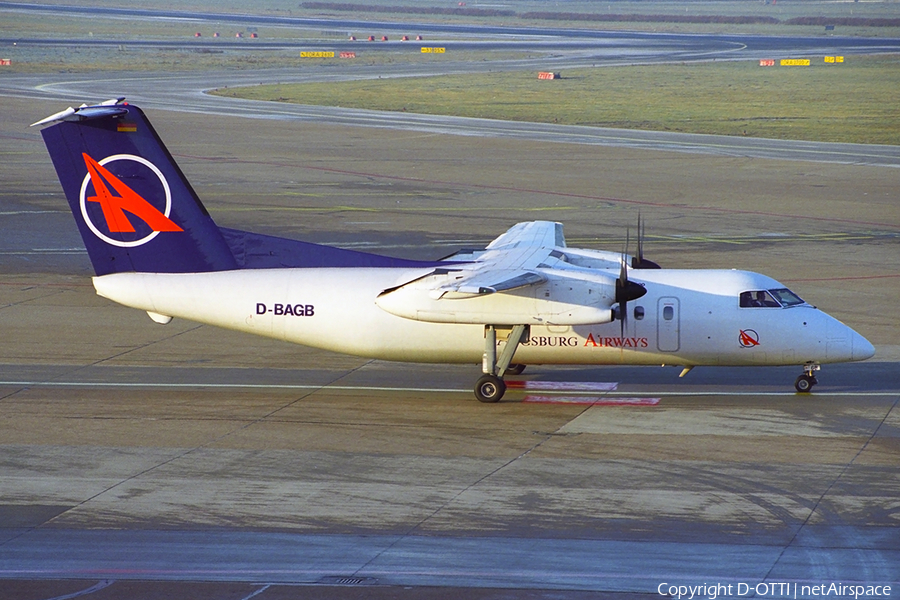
[560,300]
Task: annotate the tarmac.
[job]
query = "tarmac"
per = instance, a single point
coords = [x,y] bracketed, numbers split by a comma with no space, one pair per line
[148,461]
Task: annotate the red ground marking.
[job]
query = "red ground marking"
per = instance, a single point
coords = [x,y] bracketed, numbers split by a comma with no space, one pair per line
[563,386]
[587,400]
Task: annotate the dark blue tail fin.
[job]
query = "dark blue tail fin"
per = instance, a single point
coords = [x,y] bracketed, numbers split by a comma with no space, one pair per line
[133,205]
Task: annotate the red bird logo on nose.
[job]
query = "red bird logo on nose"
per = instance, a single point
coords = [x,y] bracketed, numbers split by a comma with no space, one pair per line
[749,338]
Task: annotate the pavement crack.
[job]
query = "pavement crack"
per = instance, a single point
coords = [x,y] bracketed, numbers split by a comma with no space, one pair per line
[829,488]
[309,393]
[412,530]
[189,451]
[27,300]
[136,348]
[80,368]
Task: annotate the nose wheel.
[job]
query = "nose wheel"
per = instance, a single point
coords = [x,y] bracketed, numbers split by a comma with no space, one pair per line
[806,381]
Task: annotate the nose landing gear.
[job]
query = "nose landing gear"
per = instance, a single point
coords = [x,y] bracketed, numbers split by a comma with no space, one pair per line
[806,381]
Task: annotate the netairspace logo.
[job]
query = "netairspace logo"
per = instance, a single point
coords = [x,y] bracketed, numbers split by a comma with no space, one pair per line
[773,590]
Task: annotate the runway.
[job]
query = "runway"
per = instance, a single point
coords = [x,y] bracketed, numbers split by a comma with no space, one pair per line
[148,461]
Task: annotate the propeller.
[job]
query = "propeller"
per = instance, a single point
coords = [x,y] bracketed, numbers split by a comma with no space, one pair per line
[639,262]
[626,290]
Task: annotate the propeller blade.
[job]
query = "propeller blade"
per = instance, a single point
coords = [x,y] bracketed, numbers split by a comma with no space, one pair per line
[620,290]
[626,290]
[640,256]
[639,262]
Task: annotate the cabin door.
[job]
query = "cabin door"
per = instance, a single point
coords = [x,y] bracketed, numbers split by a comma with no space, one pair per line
[668,328]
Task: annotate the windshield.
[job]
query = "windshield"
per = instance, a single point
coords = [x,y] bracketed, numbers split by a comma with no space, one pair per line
[786,297]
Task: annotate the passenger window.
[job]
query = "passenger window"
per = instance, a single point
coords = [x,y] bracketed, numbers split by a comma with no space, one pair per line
[638,313]
[668,313]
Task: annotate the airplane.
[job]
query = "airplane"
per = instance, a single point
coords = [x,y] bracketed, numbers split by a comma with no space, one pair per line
[525,299]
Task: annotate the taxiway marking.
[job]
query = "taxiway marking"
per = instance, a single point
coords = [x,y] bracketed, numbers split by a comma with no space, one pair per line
[94,588]
[257,592]
[365,388]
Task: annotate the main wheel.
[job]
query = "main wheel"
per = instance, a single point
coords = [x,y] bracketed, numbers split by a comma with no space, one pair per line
[489,388]
[515,369]
[804,383]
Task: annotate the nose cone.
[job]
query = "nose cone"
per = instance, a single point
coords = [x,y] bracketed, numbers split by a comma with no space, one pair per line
[844,344]
[862,348]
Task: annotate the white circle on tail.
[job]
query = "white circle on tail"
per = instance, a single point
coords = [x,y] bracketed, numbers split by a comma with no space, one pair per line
[95,229]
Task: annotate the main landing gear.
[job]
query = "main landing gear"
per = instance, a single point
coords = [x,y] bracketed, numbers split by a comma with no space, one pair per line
[490,387]
[805,382]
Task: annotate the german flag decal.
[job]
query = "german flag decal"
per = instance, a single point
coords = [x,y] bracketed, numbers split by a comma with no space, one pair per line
[126,127]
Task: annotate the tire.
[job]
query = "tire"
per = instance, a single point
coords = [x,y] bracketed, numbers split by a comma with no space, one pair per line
[804,384]
[515,369]
[489,388]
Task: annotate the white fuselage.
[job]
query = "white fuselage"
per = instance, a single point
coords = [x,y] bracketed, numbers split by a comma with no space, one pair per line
[687,317]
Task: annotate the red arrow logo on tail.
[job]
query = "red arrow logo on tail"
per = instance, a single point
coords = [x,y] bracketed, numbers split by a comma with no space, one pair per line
[115,207]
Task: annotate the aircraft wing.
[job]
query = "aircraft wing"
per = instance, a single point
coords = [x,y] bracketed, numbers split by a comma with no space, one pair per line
[508,263]
[535,234]
[503,286]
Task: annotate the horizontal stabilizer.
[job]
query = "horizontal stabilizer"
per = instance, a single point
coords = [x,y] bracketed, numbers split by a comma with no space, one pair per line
[85,112]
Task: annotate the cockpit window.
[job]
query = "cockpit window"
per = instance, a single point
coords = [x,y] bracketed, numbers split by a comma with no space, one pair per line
[786,297]
[770,298]
[759,299]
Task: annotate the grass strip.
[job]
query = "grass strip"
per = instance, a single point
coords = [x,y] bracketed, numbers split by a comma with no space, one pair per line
[853,101]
